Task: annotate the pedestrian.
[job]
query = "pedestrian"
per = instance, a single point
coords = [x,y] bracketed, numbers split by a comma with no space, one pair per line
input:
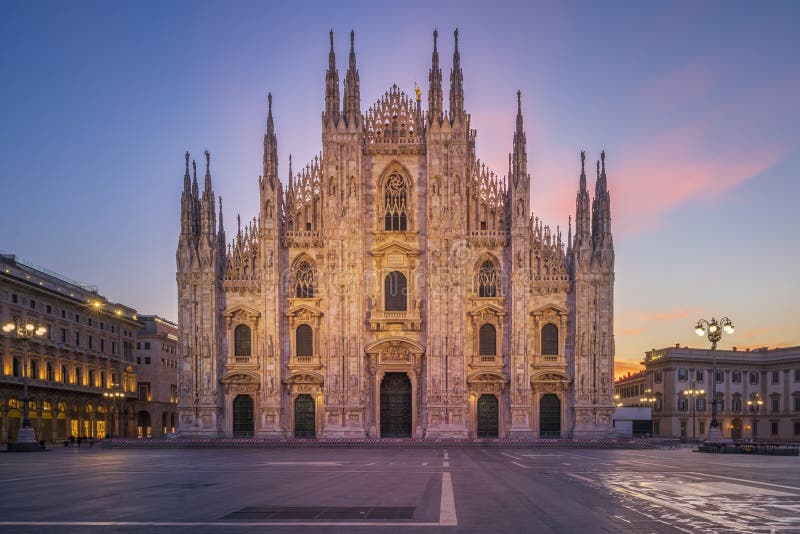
[79,441]
[71,440]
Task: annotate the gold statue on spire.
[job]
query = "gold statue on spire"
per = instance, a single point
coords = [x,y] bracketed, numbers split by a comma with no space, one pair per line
[419,92]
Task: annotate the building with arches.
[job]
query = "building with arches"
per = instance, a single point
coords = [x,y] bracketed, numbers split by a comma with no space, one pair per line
[394,286]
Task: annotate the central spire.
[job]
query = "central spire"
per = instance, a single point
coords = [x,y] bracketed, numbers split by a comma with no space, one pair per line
[331,87]
[270,147]
[352,91]
[435,86]
[456,85]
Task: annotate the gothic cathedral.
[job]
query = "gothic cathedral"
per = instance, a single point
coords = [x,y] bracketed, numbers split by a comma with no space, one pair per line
[395,287]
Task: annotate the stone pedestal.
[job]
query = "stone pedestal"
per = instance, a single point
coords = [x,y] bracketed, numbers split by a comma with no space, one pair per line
[715,436]
[26,441]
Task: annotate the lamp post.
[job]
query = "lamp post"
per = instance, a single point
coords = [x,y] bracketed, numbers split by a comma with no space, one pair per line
[713,329]
[693,393]
[649,400]
[115,396]
[26,438]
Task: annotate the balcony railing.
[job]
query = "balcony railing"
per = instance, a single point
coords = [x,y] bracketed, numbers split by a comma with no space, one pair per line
[410,320]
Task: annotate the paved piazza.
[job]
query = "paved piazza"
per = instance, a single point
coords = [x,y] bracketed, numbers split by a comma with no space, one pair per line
[469,489]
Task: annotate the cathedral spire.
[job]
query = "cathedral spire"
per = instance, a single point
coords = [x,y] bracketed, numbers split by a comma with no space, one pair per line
[520,169]
[187,179]
[331,88]
[352,90]
[208,171]
[270,148]
[582,207]
[435,85]
[456,85]
[602,207]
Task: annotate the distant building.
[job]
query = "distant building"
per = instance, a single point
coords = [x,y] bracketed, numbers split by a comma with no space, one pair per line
[157,377]
[85,356]
[758,392]
[629,390]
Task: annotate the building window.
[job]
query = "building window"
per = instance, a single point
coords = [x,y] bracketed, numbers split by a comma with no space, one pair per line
[797,428]
[77,339]
[63,335]
[90,342]
[51,372]
[487,280]
[63,314]
[49,309]
[241,340]
[699,375]
[774,428]
[683,405]
[15,367]
[34,369]
[796,402]
[143,391]
[683,375]
[754,378]
[138,345]
[78,376]
[138,360]
[102,345]
[33,304]
[14,298]
[657,377]
[64,374]
[102,379]
[304,281]
[395,290]
[736,377]
[147,344]
[776,377]
[701,427]
[736,404]
[147,360]
[487,343]
[549,340]
[173,393]
[304,339]
[776,404]
[113,347]
[797,375]
[658,405]
[395,204]
[700,405]
[91,378]
[721,402]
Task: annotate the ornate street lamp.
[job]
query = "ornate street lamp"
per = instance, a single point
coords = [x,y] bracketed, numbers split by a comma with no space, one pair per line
[693,394]
[26,439]
[714,331]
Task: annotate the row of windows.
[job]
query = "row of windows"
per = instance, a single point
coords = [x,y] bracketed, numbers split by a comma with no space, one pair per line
[164,347]
[753,377]
[736,403]
[48,308]
[49,374]
[304,337]
[396,286]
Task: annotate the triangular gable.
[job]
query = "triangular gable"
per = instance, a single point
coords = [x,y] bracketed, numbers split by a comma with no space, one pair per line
[394,246]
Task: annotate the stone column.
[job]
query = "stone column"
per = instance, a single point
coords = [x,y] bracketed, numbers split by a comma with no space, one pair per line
[4,436]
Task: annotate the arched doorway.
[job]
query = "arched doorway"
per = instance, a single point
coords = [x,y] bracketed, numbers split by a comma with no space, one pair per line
[550,416]
[144,427]
[396,406]
[487,416]
[736,429]
[243,416]
[304,420]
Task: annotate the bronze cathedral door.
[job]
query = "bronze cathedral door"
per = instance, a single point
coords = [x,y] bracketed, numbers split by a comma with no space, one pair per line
[396,406]
[304,421]
[487,416]
[243,416]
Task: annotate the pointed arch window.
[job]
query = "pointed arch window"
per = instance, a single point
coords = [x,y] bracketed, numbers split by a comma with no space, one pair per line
[549,340]
[304,281]
[304,340]
[395,204]
[241,340]
[487,280]
[394,292]
[487,340]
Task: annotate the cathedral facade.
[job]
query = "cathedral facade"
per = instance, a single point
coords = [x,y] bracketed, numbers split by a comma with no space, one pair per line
[395,287]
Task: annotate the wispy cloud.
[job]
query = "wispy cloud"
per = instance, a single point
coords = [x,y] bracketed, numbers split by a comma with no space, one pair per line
[622,368]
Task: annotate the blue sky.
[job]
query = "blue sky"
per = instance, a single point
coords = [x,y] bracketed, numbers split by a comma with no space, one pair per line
[694,103]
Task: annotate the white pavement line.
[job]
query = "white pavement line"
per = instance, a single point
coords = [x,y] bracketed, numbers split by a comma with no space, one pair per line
[749,481]
[424,464]
[653,463]
[511,456]
[42,476]
[445,464]
[445,456]
[621,518]
[579,477]
[520,465]
[238,524]
[447,507]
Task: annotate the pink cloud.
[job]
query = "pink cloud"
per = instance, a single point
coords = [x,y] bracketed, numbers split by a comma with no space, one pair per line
[622,368]
[690,82]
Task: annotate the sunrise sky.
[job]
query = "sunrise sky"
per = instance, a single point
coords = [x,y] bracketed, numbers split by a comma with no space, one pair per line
[695,104]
